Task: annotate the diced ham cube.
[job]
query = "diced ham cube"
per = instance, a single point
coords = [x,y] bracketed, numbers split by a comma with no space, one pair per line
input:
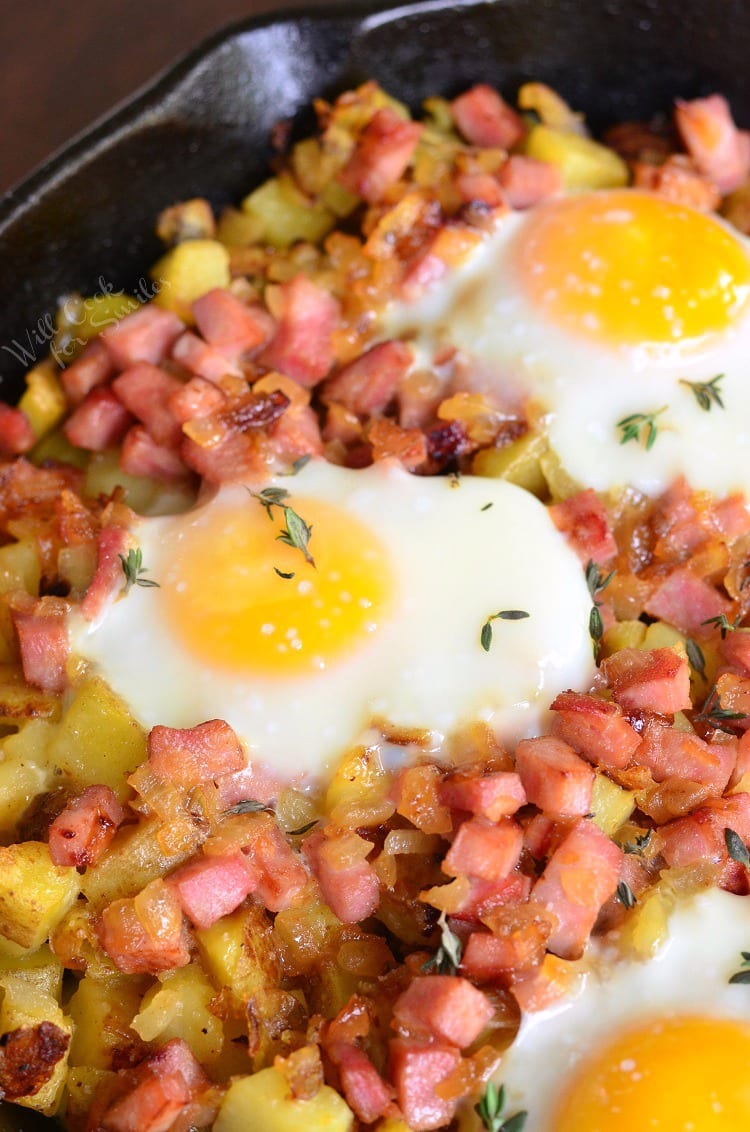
[480,188]
[679,181]
[153,1095]
[93,366]
[485,119]
[580,876]
[188,756]
[484,895]
[417,798]
[41,626]
[735,651]
[141,455]
[700,836]
[99,422]
[492,796]
[278,875]
[16,434]
[211,887]
[583,519]
[445,1007]
[296,433]
[686,601]
[351,890]
[416,1068]
[655,680]
[717,147]
[670,753]
[485,850]
[381,155]
[229,324]
[302,346]
[145,391]
[204,360]
[366,1093]
[84,830]
[196,398]
[369,383]
[108,578]
[145,934]
[516,944]
[526,181]
[146,335]
[596,728]
[555,778]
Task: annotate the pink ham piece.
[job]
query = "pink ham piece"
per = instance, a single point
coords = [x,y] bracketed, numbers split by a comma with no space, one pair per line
[365,1091]
[157,1091]
[700,837]
[484,895]
[493,957]
[93,366]
[229,324]
[302,346]
[492,796]
[145,934]
[717,147]
[108,579]
[145,391]
[445,1007]
[99,422]
[41,627]
[686,601]
[211,887]
[525,181]
[278,876]
[198,397]
[649,680]
[16,434]
[141,455]
[369,383]
[187,756]
[146,335]
[348,882]
[584,521]
[416,1068]
[580,876]
[735,651]
[485,119]
[555,778]
[381,155]
[84,830]
[669,753]
[596,728]
[484,850]
[204,360]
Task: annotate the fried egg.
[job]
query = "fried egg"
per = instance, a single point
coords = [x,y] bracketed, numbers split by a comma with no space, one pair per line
[662,1044]
[303,609]
[625,318]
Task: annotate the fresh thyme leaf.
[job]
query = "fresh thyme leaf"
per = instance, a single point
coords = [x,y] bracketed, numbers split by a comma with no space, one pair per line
[722,624]
[706,393]
[454,479]
[270,497]
[299,464]
[736,847]
[485,637]
[447,958]
[639,844]
[486,507]
[133,569]
[490,1108]
[641,427]
[596,625]
[595,580]
[743,975]
[712,712]
[303,828]
[296,533]
[281,573]
[696,657]
[625,895]
[249,806]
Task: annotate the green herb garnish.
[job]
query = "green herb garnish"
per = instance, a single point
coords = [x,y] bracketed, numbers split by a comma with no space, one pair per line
[641,427]
[303,828]
[625,895]
[485,636]
[712,712]
[447,958]
[696,657]
[283,575]
[743,975]
[596,582]
[249,806]
[296,533]
[723,624]
[639,844]
[133,569]
[490,1108]
[706,393]
[736,847]
[270,497]
[299,464]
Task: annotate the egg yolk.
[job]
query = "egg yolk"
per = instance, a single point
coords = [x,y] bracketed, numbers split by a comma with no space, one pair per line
[240,598]
[673,1075]
[626,267]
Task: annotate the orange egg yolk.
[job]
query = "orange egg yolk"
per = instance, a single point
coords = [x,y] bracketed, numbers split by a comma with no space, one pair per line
[626,267]
[241,599]
[677,1075]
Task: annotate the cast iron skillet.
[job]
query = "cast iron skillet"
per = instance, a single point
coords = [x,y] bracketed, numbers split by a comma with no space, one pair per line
[87,216]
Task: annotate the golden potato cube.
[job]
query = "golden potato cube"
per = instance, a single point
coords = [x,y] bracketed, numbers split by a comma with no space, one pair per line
[21,778]
[286,214]
[560,483]
[102,1011]
[56,446]
[179,1007]
[263,1102]
[518,463]
[610,804]
[187,272]
[41,969]
[82,1084]
[133,860]
[19,567]
[585,164]
[25,1005]
[98,740]
[359,775]
[43,400]
[623,635]
[646,926]
[34,893]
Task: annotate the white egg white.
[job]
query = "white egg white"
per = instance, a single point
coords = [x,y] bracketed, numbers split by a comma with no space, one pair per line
[456,562]
[689,976]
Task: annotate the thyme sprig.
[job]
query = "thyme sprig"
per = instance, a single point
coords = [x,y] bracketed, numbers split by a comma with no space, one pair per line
[296,532]
[743,975]
[447,958]
[706,393]
[249,806]
[723,624]
[485,637]
[638,844]
[641,427]
[736,847]
[625,895]
[133,569]
[713,713]
[597,582]
[490,1109]
[695,656]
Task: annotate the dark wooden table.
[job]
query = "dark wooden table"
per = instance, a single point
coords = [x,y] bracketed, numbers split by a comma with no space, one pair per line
[62,64]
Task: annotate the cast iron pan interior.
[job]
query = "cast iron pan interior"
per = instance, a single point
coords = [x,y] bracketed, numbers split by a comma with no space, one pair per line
[203,129]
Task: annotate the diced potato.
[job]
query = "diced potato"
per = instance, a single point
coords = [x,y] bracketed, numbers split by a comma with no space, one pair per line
[393,1124]
[623,635]
[286,214]
[76,565]
[645,928]
[263,1102]
[102,1011]
[26,1005]
[585,164]
[610,804]
[19,567]
[41,969]
[133,860]
[98,740]
[43,401]
[187,272]
[237,229]
[79,319]
[144,494]
[34,893]
[359,774]
[560,483]
[188,220]
[56,446]
[659,635]
[307,932]
[517,463]
[82,1084]
[551,108]
[21,781]
[179,1007]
